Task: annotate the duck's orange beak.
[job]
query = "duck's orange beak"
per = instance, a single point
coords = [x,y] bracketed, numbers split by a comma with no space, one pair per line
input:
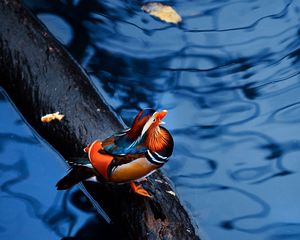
[161,115]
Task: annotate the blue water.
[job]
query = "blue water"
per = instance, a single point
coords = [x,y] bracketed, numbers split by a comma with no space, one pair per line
[30,205]
[229,76]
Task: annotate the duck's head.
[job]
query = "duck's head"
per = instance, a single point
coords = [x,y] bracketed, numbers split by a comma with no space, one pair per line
[154,121]
[146,119]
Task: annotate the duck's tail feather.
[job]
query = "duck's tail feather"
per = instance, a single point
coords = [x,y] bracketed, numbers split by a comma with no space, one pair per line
[74,176]
[79,162]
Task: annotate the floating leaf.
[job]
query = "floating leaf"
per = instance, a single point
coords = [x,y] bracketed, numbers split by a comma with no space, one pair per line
[171,192]
[163,12]
[52,116]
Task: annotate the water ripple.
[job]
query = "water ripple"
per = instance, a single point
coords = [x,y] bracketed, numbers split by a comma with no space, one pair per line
[229,74]
[287,114]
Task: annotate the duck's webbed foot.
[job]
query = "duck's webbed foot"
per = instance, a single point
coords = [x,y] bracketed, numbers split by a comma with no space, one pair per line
[139,190]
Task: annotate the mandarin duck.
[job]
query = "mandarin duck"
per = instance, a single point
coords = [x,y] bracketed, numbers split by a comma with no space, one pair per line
[126,156]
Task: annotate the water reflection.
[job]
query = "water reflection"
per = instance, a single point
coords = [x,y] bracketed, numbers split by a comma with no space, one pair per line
[229,75]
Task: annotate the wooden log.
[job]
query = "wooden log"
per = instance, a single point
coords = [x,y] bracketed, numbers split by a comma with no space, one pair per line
[41,77]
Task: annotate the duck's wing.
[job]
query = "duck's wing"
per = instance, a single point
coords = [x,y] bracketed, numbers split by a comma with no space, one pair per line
[120,144]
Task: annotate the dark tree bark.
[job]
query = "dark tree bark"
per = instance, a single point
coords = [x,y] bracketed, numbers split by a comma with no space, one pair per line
[41,77]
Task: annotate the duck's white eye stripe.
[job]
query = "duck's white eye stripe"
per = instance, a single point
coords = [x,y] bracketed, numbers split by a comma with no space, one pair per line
[160,156]
[146,126]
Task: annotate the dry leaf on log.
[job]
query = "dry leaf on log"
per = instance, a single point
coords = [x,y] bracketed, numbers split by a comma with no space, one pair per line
[52,116]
